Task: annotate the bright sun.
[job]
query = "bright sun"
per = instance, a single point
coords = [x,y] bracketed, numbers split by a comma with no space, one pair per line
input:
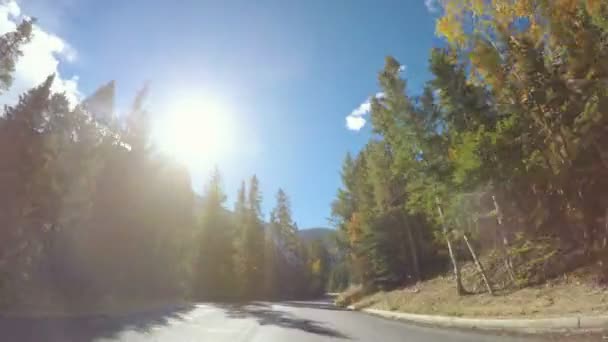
[198,133]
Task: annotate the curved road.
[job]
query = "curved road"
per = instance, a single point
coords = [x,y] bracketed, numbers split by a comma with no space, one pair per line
[254,322]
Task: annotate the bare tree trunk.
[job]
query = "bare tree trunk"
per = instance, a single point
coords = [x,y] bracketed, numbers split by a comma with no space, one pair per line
[413,250]
[605,242]
[603,155]
[505,242]
[459,287]
[508,262]
[482,272]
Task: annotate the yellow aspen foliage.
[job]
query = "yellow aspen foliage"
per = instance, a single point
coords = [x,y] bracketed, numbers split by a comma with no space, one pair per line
[568,5]
[456,7]
[563,10]
[535,31]
[593,6]
[478,7]
[450,25]
[315,267]
[452,154]
[450,28]
[507,11]
[486,61]
[523,8]
[598,11]
[503,10]
[354,228]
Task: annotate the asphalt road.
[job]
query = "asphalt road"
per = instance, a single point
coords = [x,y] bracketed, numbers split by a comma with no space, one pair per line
[254,322]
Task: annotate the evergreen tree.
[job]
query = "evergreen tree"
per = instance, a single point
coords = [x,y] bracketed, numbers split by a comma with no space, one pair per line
[215,276]
[286,230]
[100,105]
[271,259]
[240,262]
[254,240]
[249,241]
[10,51]
[289,261]
[27,200]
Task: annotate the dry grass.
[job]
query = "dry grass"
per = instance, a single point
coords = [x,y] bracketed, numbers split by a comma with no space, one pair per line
[351,295]
[565,296]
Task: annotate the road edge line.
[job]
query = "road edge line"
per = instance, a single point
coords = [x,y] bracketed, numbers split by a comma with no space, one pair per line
[528,325]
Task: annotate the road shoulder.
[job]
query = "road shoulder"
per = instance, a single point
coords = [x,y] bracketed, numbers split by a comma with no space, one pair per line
[537,325]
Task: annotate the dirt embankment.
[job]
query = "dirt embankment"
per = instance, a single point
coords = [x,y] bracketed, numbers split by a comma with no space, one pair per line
[572,293]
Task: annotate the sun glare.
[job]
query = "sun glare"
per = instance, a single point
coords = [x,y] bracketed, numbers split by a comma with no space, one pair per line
[198,133]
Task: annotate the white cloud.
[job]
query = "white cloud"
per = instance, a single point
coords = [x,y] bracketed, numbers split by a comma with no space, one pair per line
[41,58]
[52,13]
[433,6]
[402,68]
[354,123]
[12,8]
[7,11]
[355,120]
[363,109]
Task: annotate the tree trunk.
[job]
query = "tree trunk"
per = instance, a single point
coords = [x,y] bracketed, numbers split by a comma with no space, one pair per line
[413,250]
[482,272]
[508,262]
[459,287]
[603,156]
[505,241]
[605,242]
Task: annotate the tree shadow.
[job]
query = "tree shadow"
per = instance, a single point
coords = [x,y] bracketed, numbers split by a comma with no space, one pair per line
[85,328]
[265,315]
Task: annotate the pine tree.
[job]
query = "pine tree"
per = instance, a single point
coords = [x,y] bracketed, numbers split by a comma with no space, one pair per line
[250,241]
[254,239]
[100,105]
[141,214]
[10,51]
[25,199]
[138,123]
[286,229]
[288,260]
[240,258]
[22,125]
[271,259]
[214,267]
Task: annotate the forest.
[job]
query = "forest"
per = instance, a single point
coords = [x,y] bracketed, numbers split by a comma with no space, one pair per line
[93,216]
[500,160]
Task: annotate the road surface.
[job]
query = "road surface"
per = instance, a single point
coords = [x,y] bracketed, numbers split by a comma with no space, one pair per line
[254,322]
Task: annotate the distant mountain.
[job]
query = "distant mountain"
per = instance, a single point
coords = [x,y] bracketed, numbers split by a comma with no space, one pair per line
[317,233]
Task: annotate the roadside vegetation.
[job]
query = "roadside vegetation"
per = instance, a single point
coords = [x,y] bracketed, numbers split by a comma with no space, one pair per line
[570,294]
[500,163]
[483,194]
[94,218]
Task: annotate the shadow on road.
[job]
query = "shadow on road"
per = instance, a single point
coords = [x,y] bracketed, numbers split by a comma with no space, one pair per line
[266,315]
[84,328]
[92,327]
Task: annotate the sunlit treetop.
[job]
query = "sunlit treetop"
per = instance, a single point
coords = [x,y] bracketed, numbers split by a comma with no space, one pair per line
[482,30]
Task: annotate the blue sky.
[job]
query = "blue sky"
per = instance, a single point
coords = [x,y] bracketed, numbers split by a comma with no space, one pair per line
[290,71]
